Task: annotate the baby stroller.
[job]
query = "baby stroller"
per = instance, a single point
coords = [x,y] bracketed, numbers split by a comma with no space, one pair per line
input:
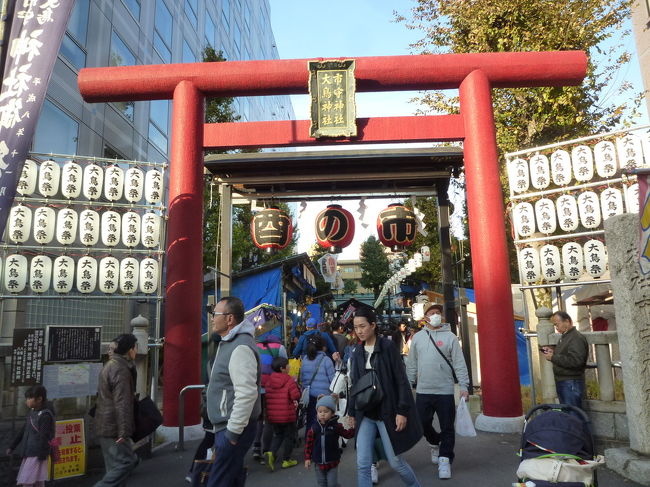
[557,448]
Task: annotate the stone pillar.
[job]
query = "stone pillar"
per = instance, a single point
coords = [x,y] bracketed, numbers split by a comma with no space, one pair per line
[631,291]
[140,327]
[544,331]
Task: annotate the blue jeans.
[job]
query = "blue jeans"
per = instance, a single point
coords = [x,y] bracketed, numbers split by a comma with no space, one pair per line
[119,461]
[570,392]
[366,434]
[444,406]
[228,467]
[326,478]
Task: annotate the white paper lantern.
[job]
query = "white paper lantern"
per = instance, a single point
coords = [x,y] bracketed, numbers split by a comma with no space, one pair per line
[561,167]
[582,161]
[523,217]
[67,222]
[71,180]
[49,176]
[605,156]
[129,271]
[20,224]
[629,152]
[550,262]
[518,175]
[44,224]
[93,181]
[86,274]
[28,178]
[589,209]
[567,212]
[611,203]
[133,185]
[545,216]
[572,260]
[63,274]
[111,227]
[40,273]
[632,198]
[131,229]
[109,274]
[89,227]
[426,253]
[113,183]
[540,171]
[148,275]
[595,258]
[529,264]
[15,273]
[153,186]
[150,230]
[418,258]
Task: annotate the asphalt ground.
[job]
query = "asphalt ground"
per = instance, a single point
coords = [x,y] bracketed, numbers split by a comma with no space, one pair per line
[489,459]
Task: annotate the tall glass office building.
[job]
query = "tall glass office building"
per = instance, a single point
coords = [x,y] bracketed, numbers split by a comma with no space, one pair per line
[128,32]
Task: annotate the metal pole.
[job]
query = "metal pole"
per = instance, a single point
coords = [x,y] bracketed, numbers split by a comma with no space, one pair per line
[181,414]
[529,355]
[445,255]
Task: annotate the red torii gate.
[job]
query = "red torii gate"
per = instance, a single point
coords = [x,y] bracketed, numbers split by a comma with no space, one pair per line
[473,74]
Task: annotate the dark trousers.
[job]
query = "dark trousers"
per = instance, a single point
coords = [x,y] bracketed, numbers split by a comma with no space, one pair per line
[228,467]
[444,406]
[311,414]
[204,446]
[119,460]
[283,434]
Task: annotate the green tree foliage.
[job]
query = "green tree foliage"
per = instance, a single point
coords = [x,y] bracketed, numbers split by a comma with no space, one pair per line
[218,109]
[350,286]
[527,117]
[374,265]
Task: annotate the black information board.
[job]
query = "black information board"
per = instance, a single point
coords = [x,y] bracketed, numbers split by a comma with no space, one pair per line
[74,343]
[27,356]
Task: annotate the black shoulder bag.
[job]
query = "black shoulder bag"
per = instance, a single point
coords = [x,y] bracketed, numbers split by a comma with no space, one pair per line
[453,372]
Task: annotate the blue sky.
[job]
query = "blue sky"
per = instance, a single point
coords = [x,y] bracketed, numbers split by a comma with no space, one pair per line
[355,28]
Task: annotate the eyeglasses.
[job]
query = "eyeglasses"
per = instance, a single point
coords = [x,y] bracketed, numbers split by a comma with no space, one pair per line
[218,313]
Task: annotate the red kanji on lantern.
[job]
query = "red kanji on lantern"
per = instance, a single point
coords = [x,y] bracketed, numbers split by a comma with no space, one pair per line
[396,227]
[334,228]
[271,229]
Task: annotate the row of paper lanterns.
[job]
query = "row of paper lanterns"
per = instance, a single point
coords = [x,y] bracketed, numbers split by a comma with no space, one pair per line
[568,211]
[92,181]
[406,270]
[108,275]
[45,224]
[562,167]
[550,263]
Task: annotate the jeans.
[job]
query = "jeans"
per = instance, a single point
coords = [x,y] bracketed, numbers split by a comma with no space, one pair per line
[444,406]
[310,417]
[366,435]
[326,478]
[283,433]
[204,446]
[119,461]
[570,392]
[228,467]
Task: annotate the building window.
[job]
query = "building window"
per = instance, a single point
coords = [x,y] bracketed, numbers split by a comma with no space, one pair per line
[191,8]
[236,37]
[121,55]
[157,138]
[78,22]
[56,131]
[134,7]
[188,54]
[72,52]
[225,14]
[210,30]
[111,153]
[247,20]
[159,124]
[162,32]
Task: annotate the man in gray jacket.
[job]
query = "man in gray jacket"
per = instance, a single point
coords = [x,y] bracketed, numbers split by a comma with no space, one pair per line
[434,379]
[233,400]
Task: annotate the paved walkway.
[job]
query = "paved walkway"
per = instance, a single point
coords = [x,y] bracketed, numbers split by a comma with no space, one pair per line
[487,460]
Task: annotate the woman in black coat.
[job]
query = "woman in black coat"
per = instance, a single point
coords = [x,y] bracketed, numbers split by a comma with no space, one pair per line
[395,417]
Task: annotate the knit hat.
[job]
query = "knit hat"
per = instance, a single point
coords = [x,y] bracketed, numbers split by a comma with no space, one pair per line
[326,401]
[312,322]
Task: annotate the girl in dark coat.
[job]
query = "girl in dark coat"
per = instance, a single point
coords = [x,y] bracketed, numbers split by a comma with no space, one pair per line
[36,434]
[395,418]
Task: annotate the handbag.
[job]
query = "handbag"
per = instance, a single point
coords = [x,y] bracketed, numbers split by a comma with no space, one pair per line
[147,418]
[367,392]
[304,397]
[201,472]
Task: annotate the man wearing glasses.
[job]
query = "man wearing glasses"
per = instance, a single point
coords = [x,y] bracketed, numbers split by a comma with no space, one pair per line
[232,395]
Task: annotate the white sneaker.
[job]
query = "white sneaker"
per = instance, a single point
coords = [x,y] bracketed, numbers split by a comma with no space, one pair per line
[435,452]
[444,468]
[374,474]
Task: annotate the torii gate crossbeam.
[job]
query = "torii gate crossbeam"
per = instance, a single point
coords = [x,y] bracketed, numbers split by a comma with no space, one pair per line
[475,75]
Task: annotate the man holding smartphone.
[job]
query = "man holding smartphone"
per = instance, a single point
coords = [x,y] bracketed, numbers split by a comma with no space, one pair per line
[569,359]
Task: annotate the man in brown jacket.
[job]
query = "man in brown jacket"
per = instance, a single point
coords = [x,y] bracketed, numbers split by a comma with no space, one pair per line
[114,423]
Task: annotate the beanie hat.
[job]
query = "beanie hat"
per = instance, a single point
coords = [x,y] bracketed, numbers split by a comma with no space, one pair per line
[326,401]
[312,322]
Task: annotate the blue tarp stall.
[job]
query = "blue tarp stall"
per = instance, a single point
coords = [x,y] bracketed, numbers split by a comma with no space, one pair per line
[267,320]
[314,311]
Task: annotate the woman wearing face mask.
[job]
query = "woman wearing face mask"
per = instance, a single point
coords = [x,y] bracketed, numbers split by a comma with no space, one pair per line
[435,377]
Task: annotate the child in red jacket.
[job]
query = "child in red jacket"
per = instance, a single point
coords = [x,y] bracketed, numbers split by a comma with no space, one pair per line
[282,396]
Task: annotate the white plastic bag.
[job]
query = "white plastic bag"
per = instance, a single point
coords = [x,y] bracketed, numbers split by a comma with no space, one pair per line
[464,423]
[304,397]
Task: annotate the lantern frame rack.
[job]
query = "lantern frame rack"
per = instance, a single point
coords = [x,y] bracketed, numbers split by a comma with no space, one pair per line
[90,203]
[75,157]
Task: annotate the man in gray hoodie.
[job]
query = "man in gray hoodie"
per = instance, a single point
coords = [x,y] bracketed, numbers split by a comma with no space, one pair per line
[434,377]
[233,401]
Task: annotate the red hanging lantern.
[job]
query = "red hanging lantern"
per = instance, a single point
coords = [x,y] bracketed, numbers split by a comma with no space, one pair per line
[334,228]
[396,227]
[271,229]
